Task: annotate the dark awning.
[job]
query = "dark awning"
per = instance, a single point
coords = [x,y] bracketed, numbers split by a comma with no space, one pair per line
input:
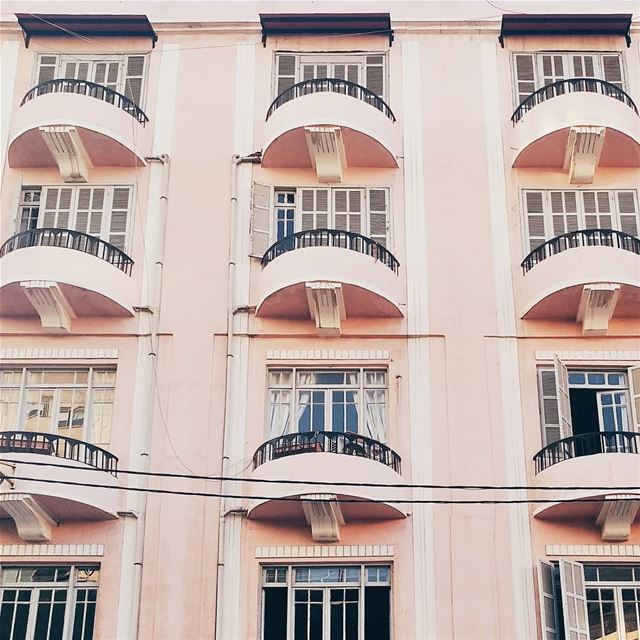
[44,24]
[578,24]
[285,24]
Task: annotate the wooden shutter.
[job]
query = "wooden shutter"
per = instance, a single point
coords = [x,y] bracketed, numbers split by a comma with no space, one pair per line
[562,392]
[286,73]
[107,74]
[583,66]
[56,212]
[47,68]
[348,208]
[120,204]
[350,72]
[548,606]
[552,67]
[314,209]
[535,226]
[597,210]
[72,67]
[574,600]
[525,76]
[374,74]
[90,210]
[378,210]
[564,212]
[133,78]
[628,212]
[549,406]
[633,374]
[260,219]
[612,70]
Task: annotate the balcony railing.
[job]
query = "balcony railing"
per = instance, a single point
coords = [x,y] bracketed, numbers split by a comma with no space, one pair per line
[331,85]
[90,89]
[581,238]
[572,85]
[331,238]
[50,444]
[587,444]
[69,239]
[350,444]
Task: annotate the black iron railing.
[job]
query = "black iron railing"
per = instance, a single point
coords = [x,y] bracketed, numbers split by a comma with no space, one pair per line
[50,444]
[331,238]
[350,444]
[581,238]
[587,444]
[572,85]
[91,89]
[331,85]
[69,239]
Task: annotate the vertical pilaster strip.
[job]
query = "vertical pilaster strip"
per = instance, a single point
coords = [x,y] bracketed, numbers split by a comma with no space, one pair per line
[418,351]
[519,531]
[8,68]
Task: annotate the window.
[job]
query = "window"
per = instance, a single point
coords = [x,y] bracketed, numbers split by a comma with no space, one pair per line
[77,403]
[331,602]
[367,70]
[99,211]
[48,602]
[551,213]
[535,70]
[122,73]
[589,602]
[338,400]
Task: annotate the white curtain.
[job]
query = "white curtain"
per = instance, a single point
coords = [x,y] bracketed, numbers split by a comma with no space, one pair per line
[375,406]
[279,412]
[305,378]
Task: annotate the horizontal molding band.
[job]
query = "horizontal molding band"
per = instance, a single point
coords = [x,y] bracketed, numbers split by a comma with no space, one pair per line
[19,550]
[589,355]
[599,550]
[58,354]
[327,354]
[327,551]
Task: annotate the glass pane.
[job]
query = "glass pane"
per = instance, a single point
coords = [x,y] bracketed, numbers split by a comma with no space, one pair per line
[595,378]
[87,574]
[615,379]
[39,405]
[615,574]
[576,378]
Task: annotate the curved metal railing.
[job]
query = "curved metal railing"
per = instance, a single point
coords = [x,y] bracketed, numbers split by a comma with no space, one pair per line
[581,238]
[87,88]
[572,85]
[331,238]
[587,444]
[69,239]
[50,444]
[351,444]
[331,85]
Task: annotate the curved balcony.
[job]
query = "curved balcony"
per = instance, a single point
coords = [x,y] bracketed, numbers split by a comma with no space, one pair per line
[599,460]
[39,497]
[61,274]
[329,124]
[318,456]
[328,275]
[577,125]
[77,124]
[586,275]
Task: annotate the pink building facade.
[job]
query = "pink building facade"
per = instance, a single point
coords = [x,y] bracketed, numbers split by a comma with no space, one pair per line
[320,322]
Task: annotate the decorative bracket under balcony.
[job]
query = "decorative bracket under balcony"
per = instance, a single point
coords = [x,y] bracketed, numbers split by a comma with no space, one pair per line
[50,303]
[33,522]
[582,155]
[597,304]
[68,150]
[616,517]
[326,304]
[324,516]
[326,149]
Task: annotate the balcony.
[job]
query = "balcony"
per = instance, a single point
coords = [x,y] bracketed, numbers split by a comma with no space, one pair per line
[329,124]
[60,275]
[328,275]
[577,125]
[589,276]
[37,498]
[76,125]
[325,456]
[599,460]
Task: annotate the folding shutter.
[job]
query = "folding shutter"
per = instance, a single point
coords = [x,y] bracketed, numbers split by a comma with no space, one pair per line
[597,210]
[29,209]
[634,388]
[548,612]
[90,209]
[552,67]
[133,78]
[120,203]
[106,73]
[286,76]
[260,219]
[74,68]
[348,207]
[378,205]
[584,66]
[350,72]
[549,407]
[312,71]
[562,392]
[534,208]
[374,74]
[574,600]
[314,209]
[56,211]
[628,212]
[612,70]
[47,67]
[525,76]
[564,212]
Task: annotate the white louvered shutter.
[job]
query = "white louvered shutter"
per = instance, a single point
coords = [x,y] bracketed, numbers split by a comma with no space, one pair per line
[133,78]
[286,73]
[75,69]
[90,210]
[348,205]
[311,71]
[549,407]
[574,600]
[118,220]
[350,72]
[628,212]
[548,607]
[597,210]
[562,392]
[552,68]
[584,66]
[107,74]
[56,209]
[525,76]
[633,374]
[564,212]
[47,68]
[378,206]
[612,70]
[314,209]
[260,219]
[374,75]
[535,226]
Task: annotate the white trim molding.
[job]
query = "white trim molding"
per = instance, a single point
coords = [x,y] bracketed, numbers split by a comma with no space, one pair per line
[600,550]
[20,550]
[328,551]
[623,356]
[58,354]
[328,354]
